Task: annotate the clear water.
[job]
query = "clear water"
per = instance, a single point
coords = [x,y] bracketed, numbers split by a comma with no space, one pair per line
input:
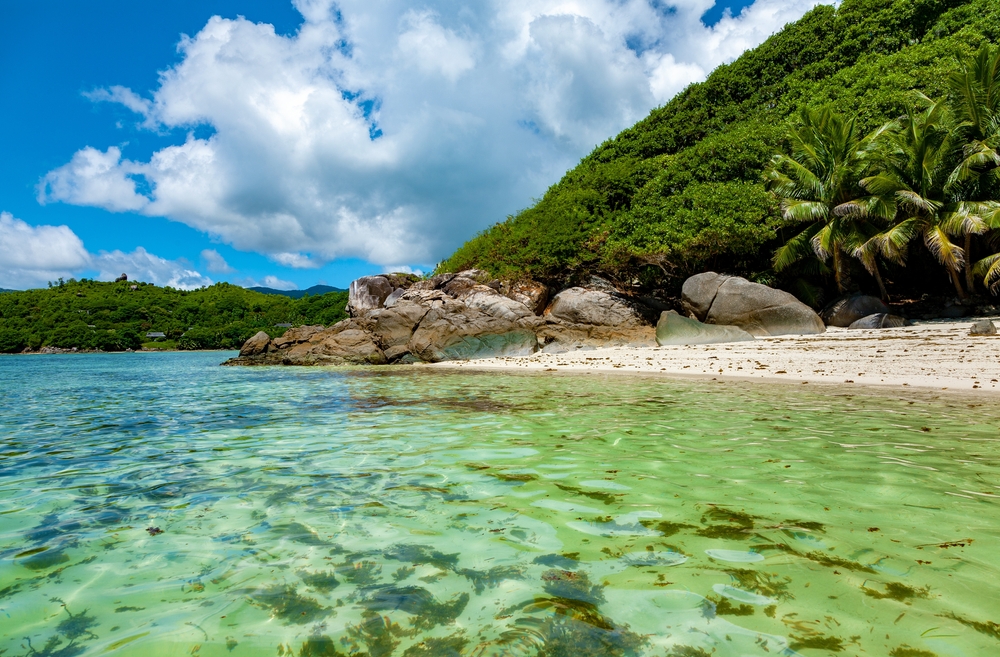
[324,512]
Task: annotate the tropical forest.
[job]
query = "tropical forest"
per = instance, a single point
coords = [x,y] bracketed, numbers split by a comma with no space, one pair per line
[856,149]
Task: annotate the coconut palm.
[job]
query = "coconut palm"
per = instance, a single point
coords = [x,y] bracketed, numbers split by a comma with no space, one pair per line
[915,177]
[976,89]
[818,184]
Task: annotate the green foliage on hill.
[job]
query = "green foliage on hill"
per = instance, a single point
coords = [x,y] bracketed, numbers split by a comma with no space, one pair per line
[682,191]
[114,317]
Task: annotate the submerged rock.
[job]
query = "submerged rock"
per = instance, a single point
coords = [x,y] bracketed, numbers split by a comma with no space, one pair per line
[675,329]
[845,311]
[880,321]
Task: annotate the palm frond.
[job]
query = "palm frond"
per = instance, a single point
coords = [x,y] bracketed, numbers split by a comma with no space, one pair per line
[989,269]
[943,249]
[795,249]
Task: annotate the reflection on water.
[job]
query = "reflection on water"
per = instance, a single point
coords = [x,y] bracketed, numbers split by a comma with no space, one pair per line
[155,504]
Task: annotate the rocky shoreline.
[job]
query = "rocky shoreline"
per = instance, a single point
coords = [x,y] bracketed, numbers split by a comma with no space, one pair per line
[466,316]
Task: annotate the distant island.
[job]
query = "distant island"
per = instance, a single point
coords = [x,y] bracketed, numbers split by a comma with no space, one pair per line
[296,294]
[88,315]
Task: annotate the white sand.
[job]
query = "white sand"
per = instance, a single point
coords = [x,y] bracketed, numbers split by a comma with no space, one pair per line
[936,354]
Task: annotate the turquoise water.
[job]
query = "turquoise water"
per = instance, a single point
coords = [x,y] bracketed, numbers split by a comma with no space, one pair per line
[157,504]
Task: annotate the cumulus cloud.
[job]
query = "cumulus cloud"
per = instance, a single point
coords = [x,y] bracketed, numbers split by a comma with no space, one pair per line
[213,261]
[30,256]
[393,134]
[144,266]
[272,282]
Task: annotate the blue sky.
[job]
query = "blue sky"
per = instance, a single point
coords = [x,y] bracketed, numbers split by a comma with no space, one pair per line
[344,140]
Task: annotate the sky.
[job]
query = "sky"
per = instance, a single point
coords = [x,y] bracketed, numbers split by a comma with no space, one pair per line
[290,143]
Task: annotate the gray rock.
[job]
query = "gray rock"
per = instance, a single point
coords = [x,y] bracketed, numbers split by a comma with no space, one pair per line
[391,300]
[847,310]
[558,337]
[880,321]
[256,345]
[532,294]
[368,293]
[393,327]
[578,305]
[453,330]
[761,310]
[698,293]
[296,335]
[675,329]
[497,305]
[983,327]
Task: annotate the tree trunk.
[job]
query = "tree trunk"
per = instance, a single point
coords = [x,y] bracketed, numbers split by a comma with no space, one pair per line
[838,267]
[881,285]
[970,281]
[958,283]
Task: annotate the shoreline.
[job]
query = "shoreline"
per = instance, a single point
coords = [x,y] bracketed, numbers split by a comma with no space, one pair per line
[931,355]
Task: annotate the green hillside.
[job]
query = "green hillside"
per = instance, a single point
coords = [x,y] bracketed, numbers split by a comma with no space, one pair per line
[682,191]
[113,317]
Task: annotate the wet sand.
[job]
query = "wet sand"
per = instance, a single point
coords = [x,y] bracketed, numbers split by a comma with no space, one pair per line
[934,354]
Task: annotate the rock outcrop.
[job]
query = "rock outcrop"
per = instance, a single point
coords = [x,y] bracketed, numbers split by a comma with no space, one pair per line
[456,316]
[675,329]
[845,311]
[757,309]
[879,321]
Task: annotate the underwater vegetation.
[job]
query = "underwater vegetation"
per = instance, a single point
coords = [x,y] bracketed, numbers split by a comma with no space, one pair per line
[322,581]
[571,584]
[420,603]
[284,603]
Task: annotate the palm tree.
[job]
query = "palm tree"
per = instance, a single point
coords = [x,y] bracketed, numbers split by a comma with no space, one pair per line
[976,88]
[915,178]
[818,184]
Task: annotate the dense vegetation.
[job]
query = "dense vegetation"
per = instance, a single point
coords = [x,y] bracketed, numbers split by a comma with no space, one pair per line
[683,190]
[113,316]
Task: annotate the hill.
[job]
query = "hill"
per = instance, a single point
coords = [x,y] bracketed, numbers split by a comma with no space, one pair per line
[88,314]
[297,294]
[682,190]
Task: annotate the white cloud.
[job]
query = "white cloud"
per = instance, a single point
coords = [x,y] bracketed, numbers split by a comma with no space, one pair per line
[121,95]
[213,261]
[142,265]
[272,282]
[392,134]
[30,256]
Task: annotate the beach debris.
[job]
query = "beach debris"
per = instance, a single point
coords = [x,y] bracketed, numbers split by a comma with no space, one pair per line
[983,327]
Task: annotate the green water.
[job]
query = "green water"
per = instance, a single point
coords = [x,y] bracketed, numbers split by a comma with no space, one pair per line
[323,512]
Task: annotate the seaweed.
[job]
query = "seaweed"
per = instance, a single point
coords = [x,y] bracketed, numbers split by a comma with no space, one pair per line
[572,584]
[285,604]
[688,651]
[422,555]
[818,642]
[322,581]
[762,583]
[449,646]
[402,573]
[607,498]
[318,645]
[831,561]
[361,573]
[490,578]
[896,591]
[568,636]
[806,524]
[380,635]
[989,628]
[513,476]
[723,607]
[45,559]
[665,527]
[119,610]
[76,625]
[419,603]
[739,524]
[299,533]
[563,561]
[906,651]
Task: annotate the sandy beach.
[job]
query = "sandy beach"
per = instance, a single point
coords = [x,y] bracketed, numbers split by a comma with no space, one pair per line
[933,354]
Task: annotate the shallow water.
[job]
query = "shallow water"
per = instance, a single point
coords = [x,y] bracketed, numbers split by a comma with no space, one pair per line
[156,504]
